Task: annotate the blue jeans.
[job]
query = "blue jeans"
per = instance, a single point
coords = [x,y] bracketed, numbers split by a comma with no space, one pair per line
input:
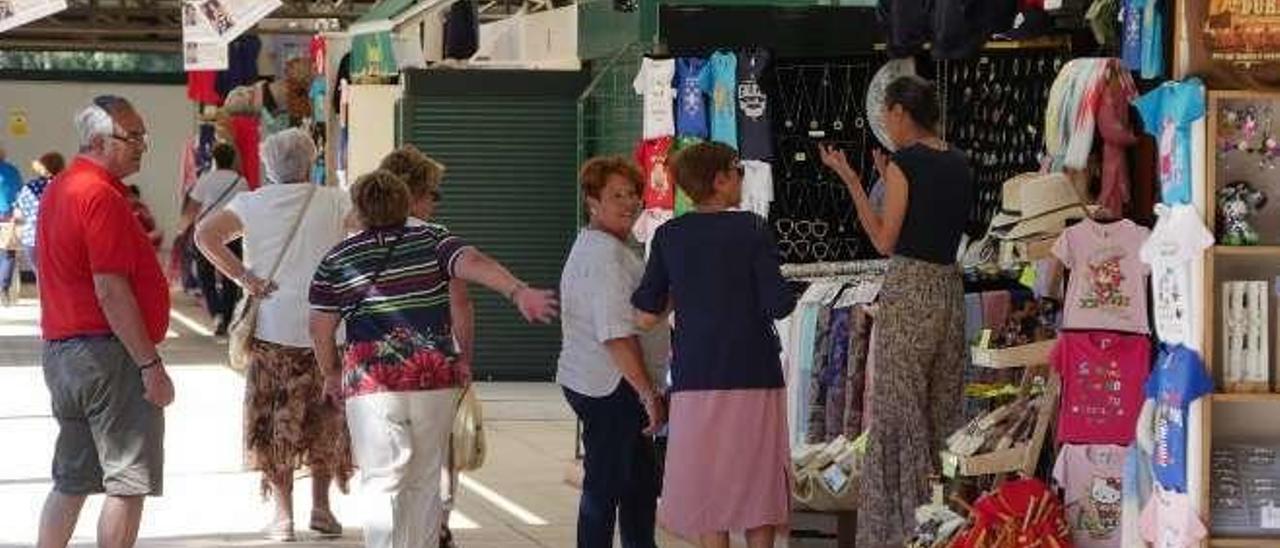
[8,264]
[621,480]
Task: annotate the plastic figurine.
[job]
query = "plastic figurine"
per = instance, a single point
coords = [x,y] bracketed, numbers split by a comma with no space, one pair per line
[1236,203]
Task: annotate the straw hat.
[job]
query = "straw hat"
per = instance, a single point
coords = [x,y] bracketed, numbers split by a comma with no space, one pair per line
[1035,203]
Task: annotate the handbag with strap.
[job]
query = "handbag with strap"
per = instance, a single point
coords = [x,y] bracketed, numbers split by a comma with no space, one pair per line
[244,323]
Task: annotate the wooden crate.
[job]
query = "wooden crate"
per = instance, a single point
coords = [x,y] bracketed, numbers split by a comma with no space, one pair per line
[1023,457]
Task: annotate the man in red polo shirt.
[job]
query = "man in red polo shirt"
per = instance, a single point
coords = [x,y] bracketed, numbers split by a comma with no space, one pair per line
[104,308]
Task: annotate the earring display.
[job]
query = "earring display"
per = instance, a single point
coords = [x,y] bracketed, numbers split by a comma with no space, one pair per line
[1247,336]
[994,107]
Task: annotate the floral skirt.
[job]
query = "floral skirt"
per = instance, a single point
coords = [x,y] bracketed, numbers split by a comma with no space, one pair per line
[287,423]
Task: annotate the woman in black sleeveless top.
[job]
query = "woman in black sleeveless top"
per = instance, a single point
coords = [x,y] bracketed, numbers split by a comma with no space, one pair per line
[920,348]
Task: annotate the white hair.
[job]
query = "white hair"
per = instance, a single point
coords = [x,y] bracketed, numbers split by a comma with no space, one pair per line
[96,120]
[288,155]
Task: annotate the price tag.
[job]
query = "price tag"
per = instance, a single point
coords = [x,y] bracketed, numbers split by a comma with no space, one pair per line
[984,339]
[1270,517]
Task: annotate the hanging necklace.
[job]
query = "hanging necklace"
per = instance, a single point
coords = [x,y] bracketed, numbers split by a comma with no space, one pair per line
[838,125]
[790,101]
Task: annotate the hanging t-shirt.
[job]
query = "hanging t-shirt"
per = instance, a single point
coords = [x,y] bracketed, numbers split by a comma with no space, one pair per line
[1103,375]
[691,101]
[684,204]
[755,134]
[319,59]
[1152,40]
[1131,41]
[1179,237]
[1092,480]
[719,81]
[757,187]
[1107,289]
[319,100]
[654,83]
[1169,521]
[659,192]
[1177,380]
[1167,113]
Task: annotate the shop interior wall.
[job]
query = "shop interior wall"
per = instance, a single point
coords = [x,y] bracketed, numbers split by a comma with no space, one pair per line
[50,107]
[371,126]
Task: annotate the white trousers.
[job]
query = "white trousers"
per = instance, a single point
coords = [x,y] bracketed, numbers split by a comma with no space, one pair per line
[399,441]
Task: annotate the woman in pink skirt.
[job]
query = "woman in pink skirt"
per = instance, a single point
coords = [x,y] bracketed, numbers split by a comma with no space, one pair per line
[727,458]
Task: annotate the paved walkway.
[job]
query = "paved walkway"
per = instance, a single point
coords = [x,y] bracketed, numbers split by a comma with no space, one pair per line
[519,499]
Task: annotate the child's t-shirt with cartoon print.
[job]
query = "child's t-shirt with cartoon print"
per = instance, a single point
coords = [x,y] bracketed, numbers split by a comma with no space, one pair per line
[1107,289]
[691,103]
[1169,522]
[1167,113]
[1178,239]
[1092,479]
[720,81]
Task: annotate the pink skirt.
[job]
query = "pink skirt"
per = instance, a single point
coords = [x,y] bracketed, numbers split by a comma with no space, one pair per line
[727,463]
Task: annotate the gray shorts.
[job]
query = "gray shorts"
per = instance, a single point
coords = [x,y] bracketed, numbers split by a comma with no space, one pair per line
[110,439]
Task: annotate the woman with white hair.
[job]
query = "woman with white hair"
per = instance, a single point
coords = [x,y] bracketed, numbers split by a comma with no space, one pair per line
[288,225]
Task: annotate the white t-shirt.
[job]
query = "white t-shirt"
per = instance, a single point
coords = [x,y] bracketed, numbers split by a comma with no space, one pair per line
[757,187]
[595,307]
[654,82]
[1179,237]
[267,215]
[215,189]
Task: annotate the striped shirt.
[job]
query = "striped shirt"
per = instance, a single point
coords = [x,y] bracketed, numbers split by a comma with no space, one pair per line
[399,333]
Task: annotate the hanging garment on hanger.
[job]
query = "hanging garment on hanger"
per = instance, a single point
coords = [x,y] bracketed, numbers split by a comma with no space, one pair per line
[755,131]
[1178,239]
[1117,137]
[659,189]
[653,82]
[461,30]
[719,81]
[1167,114]
[691,102]
[1104,375]
[245,136]
[757,187]
[1107,289]
[242,64]
[202,87]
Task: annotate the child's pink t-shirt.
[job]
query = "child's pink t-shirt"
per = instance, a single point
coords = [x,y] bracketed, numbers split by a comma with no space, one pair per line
[1108,278]
[1169,522]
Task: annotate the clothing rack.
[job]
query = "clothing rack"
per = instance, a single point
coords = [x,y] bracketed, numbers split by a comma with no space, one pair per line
[828,270]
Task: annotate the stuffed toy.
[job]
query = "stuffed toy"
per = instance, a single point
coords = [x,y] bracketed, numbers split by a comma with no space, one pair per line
[1236,203]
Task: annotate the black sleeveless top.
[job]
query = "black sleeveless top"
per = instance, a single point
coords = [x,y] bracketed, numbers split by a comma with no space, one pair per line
[939,197]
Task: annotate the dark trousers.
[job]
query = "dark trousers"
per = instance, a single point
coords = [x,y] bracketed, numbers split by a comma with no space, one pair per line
[30,250]
[621,481]
[220,293]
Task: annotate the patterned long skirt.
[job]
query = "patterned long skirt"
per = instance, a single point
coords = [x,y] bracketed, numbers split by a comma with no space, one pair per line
[287,423]
[917,392]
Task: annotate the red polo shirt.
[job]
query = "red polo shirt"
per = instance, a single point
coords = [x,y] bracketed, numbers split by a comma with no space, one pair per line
[87,227]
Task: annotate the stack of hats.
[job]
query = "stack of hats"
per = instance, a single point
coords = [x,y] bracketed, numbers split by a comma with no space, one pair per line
[1035,208]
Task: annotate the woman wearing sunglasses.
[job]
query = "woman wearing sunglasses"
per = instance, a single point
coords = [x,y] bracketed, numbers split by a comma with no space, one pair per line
[920,324]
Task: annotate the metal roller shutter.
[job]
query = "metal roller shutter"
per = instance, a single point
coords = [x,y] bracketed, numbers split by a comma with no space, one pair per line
[508,139]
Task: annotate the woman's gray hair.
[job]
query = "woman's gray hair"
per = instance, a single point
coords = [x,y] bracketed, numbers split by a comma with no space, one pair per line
[98,119]
[287,156]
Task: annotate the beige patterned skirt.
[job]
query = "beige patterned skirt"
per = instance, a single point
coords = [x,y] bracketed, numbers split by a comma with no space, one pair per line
[287,423]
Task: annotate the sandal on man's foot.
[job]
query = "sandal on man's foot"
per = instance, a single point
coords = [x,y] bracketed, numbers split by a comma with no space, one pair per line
[323,522]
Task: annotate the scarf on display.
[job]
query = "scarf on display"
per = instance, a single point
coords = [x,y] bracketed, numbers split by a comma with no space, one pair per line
[1074,100]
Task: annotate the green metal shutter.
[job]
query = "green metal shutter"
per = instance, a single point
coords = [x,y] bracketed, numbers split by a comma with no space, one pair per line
[508,140]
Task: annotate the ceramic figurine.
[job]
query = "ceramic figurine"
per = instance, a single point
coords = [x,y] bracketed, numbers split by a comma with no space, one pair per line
[1236,203]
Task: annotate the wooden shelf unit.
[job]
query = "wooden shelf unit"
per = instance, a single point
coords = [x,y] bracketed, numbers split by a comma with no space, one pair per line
[1228,263]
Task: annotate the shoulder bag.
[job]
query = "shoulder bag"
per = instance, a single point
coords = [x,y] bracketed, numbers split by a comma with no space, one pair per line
[244,323]
[9,236]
